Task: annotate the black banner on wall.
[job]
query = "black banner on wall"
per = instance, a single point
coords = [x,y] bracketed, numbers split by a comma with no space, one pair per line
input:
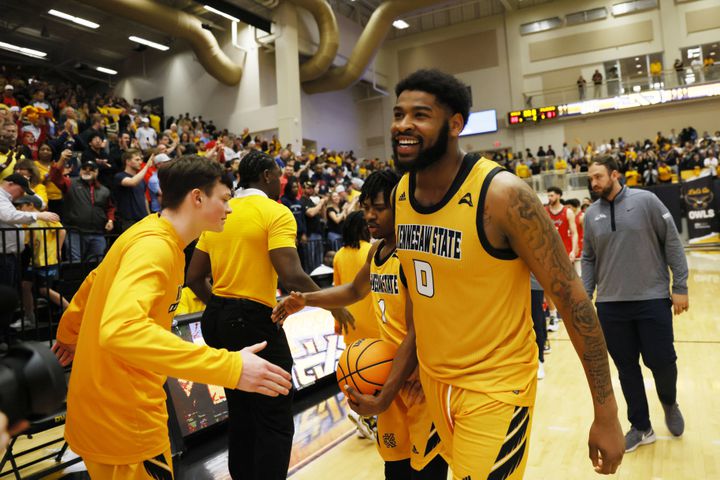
[702,215]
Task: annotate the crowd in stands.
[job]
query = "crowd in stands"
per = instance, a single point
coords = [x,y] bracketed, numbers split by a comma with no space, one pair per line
[648,162]
[92,159]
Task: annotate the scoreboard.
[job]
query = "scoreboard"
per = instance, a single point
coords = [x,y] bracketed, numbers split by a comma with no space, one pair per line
[532,115]
[624,101]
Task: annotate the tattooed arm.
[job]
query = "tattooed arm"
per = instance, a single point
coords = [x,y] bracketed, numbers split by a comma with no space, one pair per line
[515,218]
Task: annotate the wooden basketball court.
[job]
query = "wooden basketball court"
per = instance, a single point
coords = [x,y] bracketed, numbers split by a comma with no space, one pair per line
[564,412]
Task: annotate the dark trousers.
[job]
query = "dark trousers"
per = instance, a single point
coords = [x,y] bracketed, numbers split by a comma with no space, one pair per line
[538,316]
[437,469]
[9,269]
[261,428]
[635,328]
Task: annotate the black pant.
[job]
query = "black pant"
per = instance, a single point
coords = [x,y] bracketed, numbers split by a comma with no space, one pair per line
[9,269]
[538,316]
[401,470]
[261,428]
[642,327]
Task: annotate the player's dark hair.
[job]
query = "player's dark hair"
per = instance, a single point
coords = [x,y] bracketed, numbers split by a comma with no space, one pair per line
[557,190]
[252,167]
[182,175]
[573,201]
[606,161]
[448,90]
[354,230]
[292,181]
[382,181]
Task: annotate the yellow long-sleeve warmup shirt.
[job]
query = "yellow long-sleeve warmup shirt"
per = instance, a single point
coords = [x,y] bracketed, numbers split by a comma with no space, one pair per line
[120,319]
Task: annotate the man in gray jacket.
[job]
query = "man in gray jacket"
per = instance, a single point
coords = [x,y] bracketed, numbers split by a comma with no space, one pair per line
[630,241]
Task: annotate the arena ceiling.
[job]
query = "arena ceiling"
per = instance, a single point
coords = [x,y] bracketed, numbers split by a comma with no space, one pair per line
[74,50]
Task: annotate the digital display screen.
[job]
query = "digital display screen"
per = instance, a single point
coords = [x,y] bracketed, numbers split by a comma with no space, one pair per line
[626,101]
[532,115]
[197,405]
[481,122]
[314,346]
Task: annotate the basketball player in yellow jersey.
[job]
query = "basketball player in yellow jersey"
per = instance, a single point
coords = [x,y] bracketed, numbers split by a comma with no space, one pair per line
[348,261]
[117,329]
[407,439]
[468,236]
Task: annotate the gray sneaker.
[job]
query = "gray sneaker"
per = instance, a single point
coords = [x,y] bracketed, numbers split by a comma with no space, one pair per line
[634,438]
[674,419]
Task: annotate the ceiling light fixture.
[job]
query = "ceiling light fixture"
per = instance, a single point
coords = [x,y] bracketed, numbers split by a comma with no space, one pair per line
[22,50]
[109,71]
[222,14]
[159,46]
[73,18]
[400,24]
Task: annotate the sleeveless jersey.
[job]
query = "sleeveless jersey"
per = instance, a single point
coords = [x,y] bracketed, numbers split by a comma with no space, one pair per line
[471,301]
[388,290]
[562,225]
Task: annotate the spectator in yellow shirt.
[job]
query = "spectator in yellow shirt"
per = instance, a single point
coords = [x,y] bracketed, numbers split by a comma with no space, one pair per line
[522,170]
[45,239]
[27,169]
[632,177]
[560,165]
[664,173]
[117,328]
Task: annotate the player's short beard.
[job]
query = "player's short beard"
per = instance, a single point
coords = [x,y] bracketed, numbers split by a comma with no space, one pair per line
[607,191]
[426,157]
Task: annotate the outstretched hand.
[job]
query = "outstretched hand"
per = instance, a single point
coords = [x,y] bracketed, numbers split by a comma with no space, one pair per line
[261,376]
[293,303]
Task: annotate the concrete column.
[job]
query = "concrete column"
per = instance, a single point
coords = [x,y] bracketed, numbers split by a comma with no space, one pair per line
[287,66]
[672,33]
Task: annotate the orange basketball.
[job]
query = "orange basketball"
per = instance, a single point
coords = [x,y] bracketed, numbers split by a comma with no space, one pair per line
[365,365]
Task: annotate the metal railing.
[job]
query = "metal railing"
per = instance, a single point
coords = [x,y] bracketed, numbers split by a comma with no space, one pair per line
[553,178]
[37,263]
[619,86]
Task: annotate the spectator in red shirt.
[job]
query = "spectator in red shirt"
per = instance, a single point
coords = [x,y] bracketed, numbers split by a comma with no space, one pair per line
[8,98]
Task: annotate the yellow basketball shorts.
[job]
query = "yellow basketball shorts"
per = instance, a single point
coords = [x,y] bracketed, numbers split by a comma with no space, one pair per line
[407,432]
[158,468]
[483,437]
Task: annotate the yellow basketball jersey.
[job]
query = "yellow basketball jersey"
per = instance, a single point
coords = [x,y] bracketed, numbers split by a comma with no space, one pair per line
[471,301]
[388,289]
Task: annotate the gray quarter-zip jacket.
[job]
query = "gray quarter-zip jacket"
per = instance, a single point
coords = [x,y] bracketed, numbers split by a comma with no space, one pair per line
[628,245]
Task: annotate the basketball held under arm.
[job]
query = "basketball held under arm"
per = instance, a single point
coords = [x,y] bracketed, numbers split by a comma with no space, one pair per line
[403,366]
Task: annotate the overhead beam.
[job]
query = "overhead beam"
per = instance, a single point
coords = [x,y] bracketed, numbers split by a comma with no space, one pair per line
[508,4]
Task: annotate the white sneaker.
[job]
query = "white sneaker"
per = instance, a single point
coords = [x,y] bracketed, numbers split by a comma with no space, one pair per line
[553,325]
[19,324]
[541,371]
[362,430]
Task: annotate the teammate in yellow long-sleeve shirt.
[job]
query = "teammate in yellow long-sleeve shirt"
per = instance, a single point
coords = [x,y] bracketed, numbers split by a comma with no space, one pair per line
[415,452]
[117,330]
